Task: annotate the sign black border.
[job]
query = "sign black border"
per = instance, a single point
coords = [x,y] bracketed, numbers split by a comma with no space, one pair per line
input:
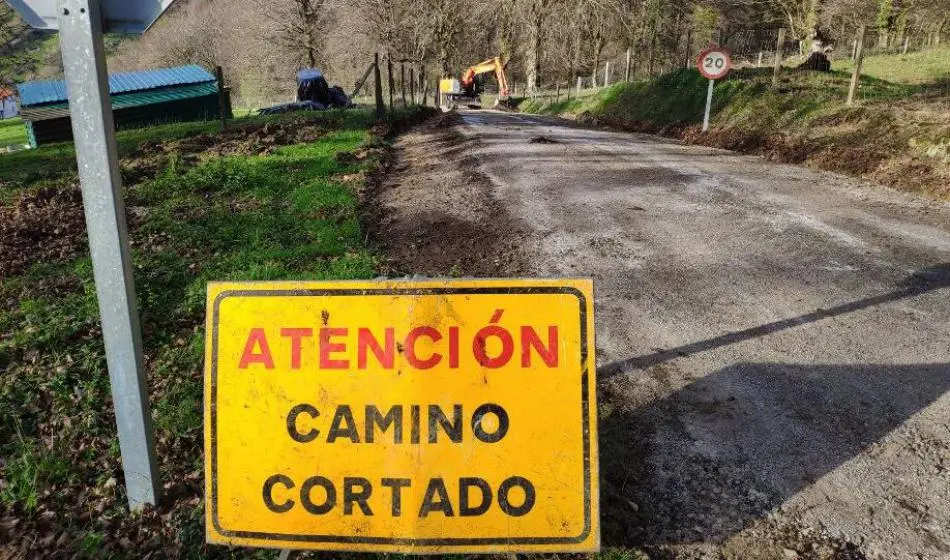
[432,542]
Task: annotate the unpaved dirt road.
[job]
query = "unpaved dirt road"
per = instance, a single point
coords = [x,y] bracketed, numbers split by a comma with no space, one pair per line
[773,342]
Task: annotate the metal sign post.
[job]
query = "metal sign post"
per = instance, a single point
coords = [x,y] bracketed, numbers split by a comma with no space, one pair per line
[709,94]
[80,26]
[713,63]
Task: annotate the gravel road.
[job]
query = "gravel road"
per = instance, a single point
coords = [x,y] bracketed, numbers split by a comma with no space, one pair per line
[773,342]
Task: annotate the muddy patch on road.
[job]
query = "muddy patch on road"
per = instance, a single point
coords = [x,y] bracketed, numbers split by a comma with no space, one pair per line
[429,211]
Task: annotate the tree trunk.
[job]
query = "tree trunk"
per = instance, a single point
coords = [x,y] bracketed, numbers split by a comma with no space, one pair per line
[578,38]
[536,16]
[506,30]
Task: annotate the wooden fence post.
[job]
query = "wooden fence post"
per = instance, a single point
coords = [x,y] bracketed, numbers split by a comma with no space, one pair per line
[779,55]
[626,72]
[856,73]
[423,98]
[222,102]
[686,51]
[607,73]
[402,82]
[380,106]
[580,84]
[392,86]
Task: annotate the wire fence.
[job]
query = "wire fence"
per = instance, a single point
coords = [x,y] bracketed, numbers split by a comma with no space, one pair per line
[891,66]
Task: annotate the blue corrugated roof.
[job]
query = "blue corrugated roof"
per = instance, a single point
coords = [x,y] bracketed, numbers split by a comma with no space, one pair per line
[54,91]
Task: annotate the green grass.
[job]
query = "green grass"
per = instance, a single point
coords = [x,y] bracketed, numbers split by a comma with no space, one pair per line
[680,96]
[283,215]
[28,169]
[12,132]
[922,67]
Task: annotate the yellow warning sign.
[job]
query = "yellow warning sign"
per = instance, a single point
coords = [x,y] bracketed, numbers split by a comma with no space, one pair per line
[430,417]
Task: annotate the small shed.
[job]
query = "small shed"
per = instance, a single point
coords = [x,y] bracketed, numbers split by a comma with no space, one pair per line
[8,106]
[183,93]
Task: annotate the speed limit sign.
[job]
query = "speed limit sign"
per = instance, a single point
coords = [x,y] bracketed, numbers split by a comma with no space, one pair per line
[714,63]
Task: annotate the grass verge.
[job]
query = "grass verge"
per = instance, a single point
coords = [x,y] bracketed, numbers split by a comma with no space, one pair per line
[12,133]
[268,199]
[900,138]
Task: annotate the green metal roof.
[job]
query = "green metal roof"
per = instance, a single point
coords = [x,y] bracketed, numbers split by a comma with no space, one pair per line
[122,101]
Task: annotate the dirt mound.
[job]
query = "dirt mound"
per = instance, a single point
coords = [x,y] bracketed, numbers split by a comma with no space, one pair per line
[254,139]
[45,226]
[430,212]
[48,225]
[882,158]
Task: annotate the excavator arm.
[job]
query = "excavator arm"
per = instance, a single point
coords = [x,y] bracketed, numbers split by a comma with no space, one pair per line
[465,91]
[490,65]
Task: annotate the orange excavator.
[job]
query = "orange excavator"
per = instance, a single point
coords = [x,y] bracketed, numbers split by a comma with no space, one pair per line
[467,90]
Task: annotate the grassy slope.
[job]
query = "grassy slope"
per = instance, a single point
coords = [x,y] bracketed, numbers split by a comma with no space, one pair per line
[281,215]
[898,134]
[26,169]
[913,68]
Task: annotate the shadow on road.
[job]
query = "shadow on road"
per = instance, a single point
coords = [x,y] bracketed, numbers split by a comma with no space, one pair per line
[926,280]
[713,457]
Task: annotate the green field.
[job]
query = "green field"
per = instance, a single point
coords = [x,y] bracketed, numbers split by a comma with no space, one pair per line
[913,68]
[262,211]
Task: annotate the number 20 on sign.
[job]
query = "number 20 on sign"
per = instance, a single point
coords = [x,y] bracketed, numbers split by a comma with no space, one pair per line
[421,417]
[714,63]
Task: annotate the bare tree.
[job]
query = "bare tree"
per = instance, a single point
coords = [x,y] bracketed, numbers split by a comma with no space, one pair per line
[535,15]
[297,27]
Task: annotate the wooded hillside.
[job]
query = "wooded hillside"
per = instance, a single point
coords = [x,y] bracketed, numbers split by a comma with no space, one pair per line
[260,43]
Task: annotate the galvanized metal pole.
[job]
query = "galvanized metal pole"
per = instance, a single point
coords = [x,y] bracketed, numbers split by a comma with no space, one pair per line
[709,95]
[84,60]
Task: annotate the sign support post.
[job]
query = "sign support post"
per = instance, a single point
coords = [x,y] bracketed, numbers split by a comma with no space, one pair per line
[713,63]
[709,95]
[80,26]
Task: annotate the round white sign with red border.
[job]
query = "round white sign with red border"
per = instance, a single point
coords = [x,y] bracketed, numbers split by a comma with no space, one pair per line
[714,62]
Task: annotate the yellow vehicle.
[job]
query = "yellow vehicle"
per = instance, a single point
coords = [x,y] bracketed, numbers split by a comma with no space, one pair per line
[467,90]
